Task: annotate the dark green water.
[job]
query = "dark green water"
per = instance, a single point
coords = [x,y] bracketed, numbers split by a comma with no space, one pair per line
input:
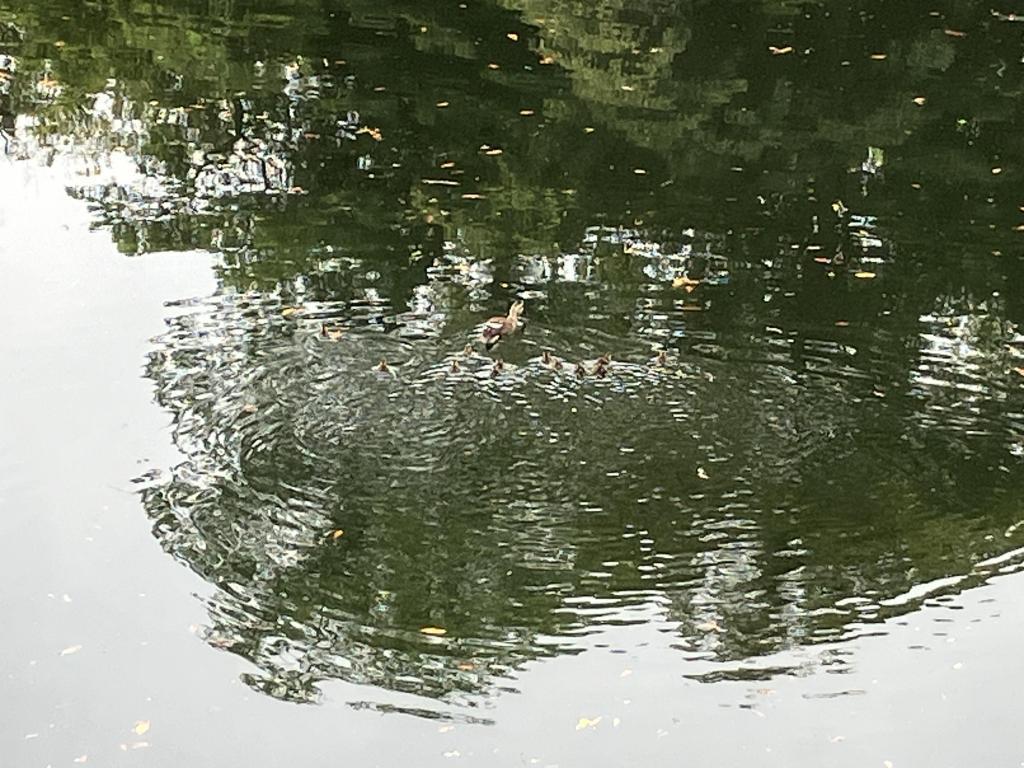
[814,209]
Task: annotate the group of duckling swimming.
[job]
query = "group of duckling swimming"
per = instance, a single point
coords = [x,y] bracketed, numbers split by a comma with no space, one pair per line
[599,368]
[502,326]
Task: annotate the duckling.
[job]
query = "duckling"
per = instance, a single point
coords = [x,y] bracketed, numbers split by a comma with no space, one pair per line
[497,368]
[550,361]
[601,369]
[383,367]
[496,328]
[581,370]
[468,351]
[455,366]
[661,361]
[328,332]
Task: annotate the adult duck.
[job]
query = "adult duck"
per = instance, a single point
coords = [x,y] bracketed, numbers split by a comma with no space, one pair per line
[497,328]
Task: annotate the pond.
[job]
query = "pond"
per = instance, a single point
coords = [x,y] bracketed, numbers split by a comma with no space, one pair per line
[762,422]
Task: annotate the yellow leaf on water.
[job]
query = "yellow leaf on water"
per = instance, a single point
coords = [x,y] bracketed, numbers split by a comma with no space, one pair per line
[920,100]
[702,473]
[435,631]
[863,275]
[289,311]
[955,33]
[141,727]
[375,133]
[71,649]
[337,533]
[775,51]
[879,56]
[586,722]
[512,36]
[684,282]
[441,104]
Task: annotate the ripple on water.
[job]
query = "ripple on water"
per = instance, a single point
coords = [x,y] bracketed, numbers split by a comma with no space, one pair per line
[747,503]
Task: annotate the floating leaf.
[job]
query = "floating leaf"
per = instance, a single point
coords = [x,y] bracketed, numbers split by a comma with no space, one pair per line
[441,104]
[864,275]
[586,722]
[775,51]
[701,473]
[955,33]
[435,631]
[879,56]
[337,533]
[512,36]
[374,133]
[920,100]
[997,170]
[289,311]
[684,282]
[141,727]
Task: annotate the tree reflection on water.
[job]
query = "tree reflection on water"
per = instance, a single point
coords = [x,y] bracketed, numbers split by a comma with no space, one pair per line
[812,210]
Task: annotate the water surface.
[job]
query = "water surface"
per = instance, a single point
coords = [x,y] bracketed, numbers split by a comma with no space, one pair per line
[812,210]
